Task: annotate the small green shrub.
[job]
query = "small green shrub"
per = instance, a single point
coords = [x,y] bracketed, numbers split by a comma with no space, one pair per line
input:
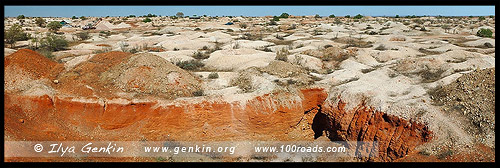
[83,35]
[276,18]
[54,43]
[284,15]
[54,26]
[15,33]
[21,17]
[39,21]
[146,20]
[484,33]
[46,53]
[213,75]
[359,16]
[190,65]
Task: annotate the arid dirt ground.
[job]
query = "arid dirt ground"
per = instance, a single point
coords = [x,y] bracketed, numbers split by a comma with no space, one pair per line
[423,92]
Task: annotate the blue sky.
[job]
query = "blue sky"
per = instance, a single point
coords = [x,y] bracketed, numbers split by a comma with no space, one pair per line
[68,11]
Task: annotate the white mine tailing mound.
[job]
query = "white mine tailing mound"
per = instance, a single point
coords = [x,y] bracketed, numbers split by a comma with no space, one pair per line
[238,59]
[105,25]
[8,51]
[85,46]
[306,61]
[176,56]
[480,42]
[397,96]
[247,44]
[184,43]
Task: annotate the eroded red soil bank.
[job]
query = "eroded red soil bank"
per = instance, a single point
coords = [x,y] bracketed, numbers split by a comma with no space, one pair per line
[266,117]
[396,137]
[262,118]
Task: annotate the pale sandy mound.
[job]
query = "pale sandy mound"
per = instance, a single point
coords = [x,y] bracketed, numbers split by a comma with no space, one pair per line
[331,53]
[71,53]
[247,44]
[319,44]
[481,42]
[122,25]
[95,38]
[149,74]
[298,35]
[388,94]
[176,56]
[364,56]
[8,51]
[85,46]
[220,85]
[238,59]
[434,67]
[171,29]
[77,60]
[192,34]
[184,43]
[329,27]
[332,35]
[390,55]
[301,49]
[116,37]
[445,48]
[278,47]
[273,36]
[399,96]
[138,41]
[306,61]
[104,25]
[218,36]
